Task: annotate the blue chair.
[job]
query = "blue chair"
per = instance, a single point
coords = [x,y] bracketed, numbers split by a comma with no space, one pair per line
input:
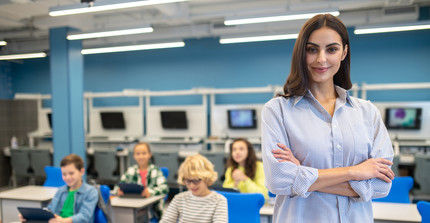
[399,192]
[243,207]
[54,178]
[99,216]
[165,171]
[424,209]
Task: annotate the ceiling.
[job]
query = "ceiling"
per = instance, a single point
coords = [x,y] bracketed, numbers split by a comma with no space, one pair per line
[25,24]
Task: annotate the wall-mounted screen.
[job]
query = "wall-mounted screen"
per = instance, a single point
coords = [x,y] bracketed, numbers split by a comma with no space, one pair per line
[174,119]
[403,118]
[242,119]
[49,115]
[112,120]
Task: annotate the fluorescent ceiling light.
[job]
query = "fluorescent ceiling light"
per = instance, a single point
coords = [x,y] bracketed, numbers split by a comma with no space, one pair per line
[230,22]
[109,33]
[398,28]
[3,43]
[22,56]
[106,5]
[257,38]
[132,48]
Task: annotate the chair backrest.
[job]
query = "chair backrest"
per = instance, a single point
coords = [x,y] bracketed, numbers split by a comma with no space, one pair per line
[99,216]
[167,159]
[243,207]
[422,173]
[218,160]
[165,171]
[424,209]
[105,164]
[399,192]
[39,158]
[54,177]
[20,161]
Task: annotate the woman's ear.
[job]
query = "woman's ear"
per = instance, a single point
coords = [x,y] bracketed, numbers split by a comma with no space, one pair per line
[345,52]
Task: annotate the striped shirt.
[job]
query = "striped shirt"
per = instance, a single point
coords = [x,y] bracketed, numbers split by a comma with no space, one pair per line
[187,208]
[354,134]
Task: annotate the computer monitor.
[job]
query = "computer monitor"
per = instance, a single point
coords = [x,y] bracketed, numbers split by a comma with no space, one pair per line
[242,119]
[403,118]
[174,119]
[112,120]
[49,115]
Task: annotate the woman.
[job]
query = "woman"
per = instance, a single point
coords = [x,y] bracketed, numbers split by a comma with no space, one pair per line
[244,172]
[325,154]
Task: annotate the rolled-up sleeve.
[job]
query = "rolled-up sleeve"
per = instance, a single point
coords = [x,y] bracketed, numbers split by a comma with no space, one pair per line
[284,178]
[382,148]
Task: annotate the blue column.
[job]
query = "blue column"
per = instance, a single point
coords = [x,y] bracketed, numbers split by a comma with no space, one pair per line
[67,69]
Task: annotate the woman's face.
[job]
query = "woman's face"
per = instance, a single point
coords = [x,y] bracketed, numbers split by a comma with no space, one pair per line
[239,152]
[142,155]
[324,54]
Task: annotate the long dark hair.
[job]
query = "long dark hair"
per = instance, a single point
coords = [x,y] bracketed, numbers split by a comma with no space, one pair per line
[297,81]
[250,161]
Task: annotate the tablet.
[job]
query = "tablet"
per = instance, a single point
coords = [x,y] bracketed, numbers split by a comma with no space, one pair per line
[35,214]
[128,188]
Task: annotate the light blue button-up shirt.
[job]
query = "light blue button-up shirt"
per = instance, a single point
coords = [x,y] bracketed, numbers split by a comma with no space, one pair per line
[354,134]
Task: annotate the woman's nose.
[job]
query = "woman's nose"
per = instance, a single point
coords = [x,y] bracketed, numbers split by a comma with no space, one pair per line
[321,57]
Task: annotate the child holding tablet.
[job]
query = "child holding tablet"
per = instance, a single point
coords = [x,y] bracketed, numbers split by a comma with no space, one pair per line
[77,200]
[147,174]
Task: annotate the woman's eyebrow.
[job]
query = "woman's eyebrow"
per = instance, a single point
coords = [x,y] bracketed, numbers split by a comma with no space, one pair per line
[331,44]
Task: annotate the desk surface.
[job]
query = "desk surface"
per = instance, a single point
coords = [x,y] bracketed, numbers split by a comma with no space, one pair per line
[381,211]
[30,193]
[134,202]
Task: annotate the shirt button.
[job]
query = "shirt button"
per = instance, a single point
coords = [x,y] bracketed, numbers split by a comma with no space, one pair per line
[338,146]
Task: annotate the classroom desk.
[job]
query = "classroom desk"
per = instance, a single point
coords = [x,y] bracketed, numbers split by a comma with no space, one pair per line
[132,209]
[382,212]
[28,196]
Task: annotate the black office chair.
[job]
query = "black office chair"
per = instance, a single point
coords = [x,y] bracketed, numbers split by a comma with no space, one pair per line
[39,158]
[20,161]
[105,164]
[422,174]
[167,159]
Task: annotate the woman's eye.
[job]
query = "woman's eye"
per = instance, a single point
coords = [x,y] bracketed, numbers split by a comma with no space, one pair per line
[332,50]
[312,50]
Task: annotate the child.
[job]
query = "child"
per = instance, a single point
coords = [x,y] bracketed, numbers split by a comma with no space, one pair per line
[198,204]
[76,201]
[147,174]
[244,172]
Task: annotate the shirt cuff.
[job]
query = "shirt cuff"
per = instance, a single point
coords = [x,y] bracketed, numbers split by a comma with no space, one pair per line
[306,176]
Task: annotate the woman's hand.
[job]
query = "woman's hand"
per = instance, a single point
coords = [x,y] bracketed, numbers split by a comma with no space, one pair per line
[284,154]
[145,193]
[373,168]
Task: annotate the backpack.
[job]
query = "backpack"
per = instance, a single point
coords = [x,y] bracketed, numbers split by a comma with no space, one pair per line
[103,206]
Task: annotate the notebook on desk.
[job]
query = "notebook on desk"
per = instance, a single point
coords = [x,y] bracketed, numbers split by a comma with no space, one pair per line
[131,190]
[35,214]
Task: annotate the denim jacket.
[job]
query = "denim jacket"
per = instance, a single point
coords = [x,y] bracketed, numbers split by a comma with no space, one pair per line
[85,202]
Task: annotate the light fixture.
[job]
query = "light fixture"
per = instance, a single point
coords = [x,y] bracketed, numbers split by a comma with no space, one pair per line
[22,56]
[122,32]
[106,5]
[242,21]
[393,28]
[3,43]
[132,48]
[257,38]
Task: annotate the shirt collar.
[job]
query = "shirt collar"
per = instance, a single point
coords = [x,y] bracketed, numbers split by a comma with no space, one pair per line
[343,95]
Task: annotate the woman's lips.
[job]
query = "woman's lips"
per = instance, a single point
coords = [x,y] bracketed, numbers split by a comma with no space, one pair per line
[320,69]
